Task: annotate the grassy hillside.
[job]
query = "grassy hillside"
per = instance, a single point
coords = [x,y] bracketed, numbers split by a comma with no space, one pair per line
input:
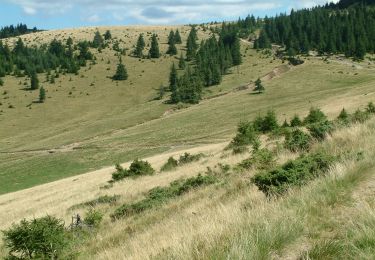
[89,121]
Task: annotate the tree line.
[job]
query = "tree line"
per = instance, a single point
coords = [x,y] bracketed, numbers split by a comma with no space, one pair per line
[326,29]
[15,30]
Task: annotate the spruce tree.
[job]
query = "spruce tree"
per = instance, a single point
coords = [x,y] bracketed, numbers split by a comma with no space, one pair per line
[172,50]
[177,37]
[171,37]
[107,35]
[121,72]
[34,81]
[42,95]
[98,40]
[236,52]
[154,52]
[173,85]
[181,62]
[191,46]
[259,86]
[138,52]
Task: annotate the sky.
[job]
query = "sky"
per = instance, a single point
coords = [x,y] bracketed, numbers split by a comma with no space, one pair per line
[58,14]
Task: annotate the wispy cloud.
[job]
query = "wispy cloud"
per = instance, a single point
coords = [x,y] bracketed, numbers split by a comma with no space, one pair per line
[159,12]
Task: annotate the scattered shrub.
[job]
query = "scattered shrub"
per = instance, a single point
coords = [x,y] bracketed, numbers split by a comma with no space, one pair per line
[261,159]
[360,116]
[139,167]
[93,218]
[169,165]
[315,116]
[292,173]
[41,238]
[246,135]
[120,173]
[344,117]
[297,140]
[189,158]
[296,121]
[266,124]
[370,108]
[106,199]
[160,195]
[320,130]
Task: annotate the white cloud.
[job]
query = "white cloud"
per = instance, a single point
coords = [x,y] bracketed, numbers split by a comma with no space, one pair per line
[160,11]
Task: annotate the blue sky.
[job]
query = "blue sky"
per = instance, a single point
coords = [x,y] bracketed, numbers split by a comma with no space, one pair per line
[55,14]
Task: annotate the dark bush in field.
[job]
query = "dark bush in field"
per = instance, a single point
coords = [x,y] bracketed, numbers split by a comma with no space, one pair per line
[297,140]
[261,159]
[266,124]
[169,165]
[137,168]
[292,173]
[189,158]
[246,135]
[320,130]
[93,218]
[315,116]
[41,238]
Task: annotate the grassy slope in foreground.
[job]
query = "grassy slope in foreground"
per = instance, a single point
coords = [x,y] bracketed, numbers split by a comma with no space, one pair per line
[119,123]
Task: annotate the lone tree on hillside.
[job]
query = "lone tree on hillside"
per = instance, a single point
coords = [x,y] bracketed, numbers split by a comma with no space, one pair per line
[107,35]
[34,81]
[171,37]
[140,46]
[98,40]
[259,86]
[181,62]
[177,37]
[121,72]
[42,95]
[172,50]
[154,52]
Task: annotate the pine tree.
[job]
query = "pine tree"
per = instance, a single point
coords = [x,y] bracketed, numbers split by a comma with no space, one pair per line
[181,62]
[154,52]
[236,52]
[172,50]
[173,85]
[171,37]
[296,121]
[107,35]
[98,40]
[42,95]
[177,37]
[263,42]
[121,72]
[138,52]
[191,46]
[34,81]
[259,86]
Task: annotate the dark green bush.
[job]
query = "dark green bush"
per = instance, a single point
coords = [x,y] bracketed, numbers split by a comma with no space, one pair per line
[370,108]
[120,173]
[189,158]
[139,167]
[266,124]
[360,116]
[296,121]
[293,173]
[160,195]
[315,116]
[320,130]
[93,218]
[297,140]
[169,165]
[261,159]
[106,199]
[41,238]
[343,118]
[246,135]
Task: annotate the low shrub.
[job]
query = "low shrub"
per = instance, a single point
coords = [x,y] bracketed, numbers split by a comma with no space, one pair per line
[169,165]
[41,238]
[160,195]
[93,218]
[360,116]
[296,121]
[343,118]
[315,116]
[137,168]
[189,158]
[297,140]
[106,199]
[266,124]
[246,135]
[261,159]
[293,173]
[320,130]
[370,108]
